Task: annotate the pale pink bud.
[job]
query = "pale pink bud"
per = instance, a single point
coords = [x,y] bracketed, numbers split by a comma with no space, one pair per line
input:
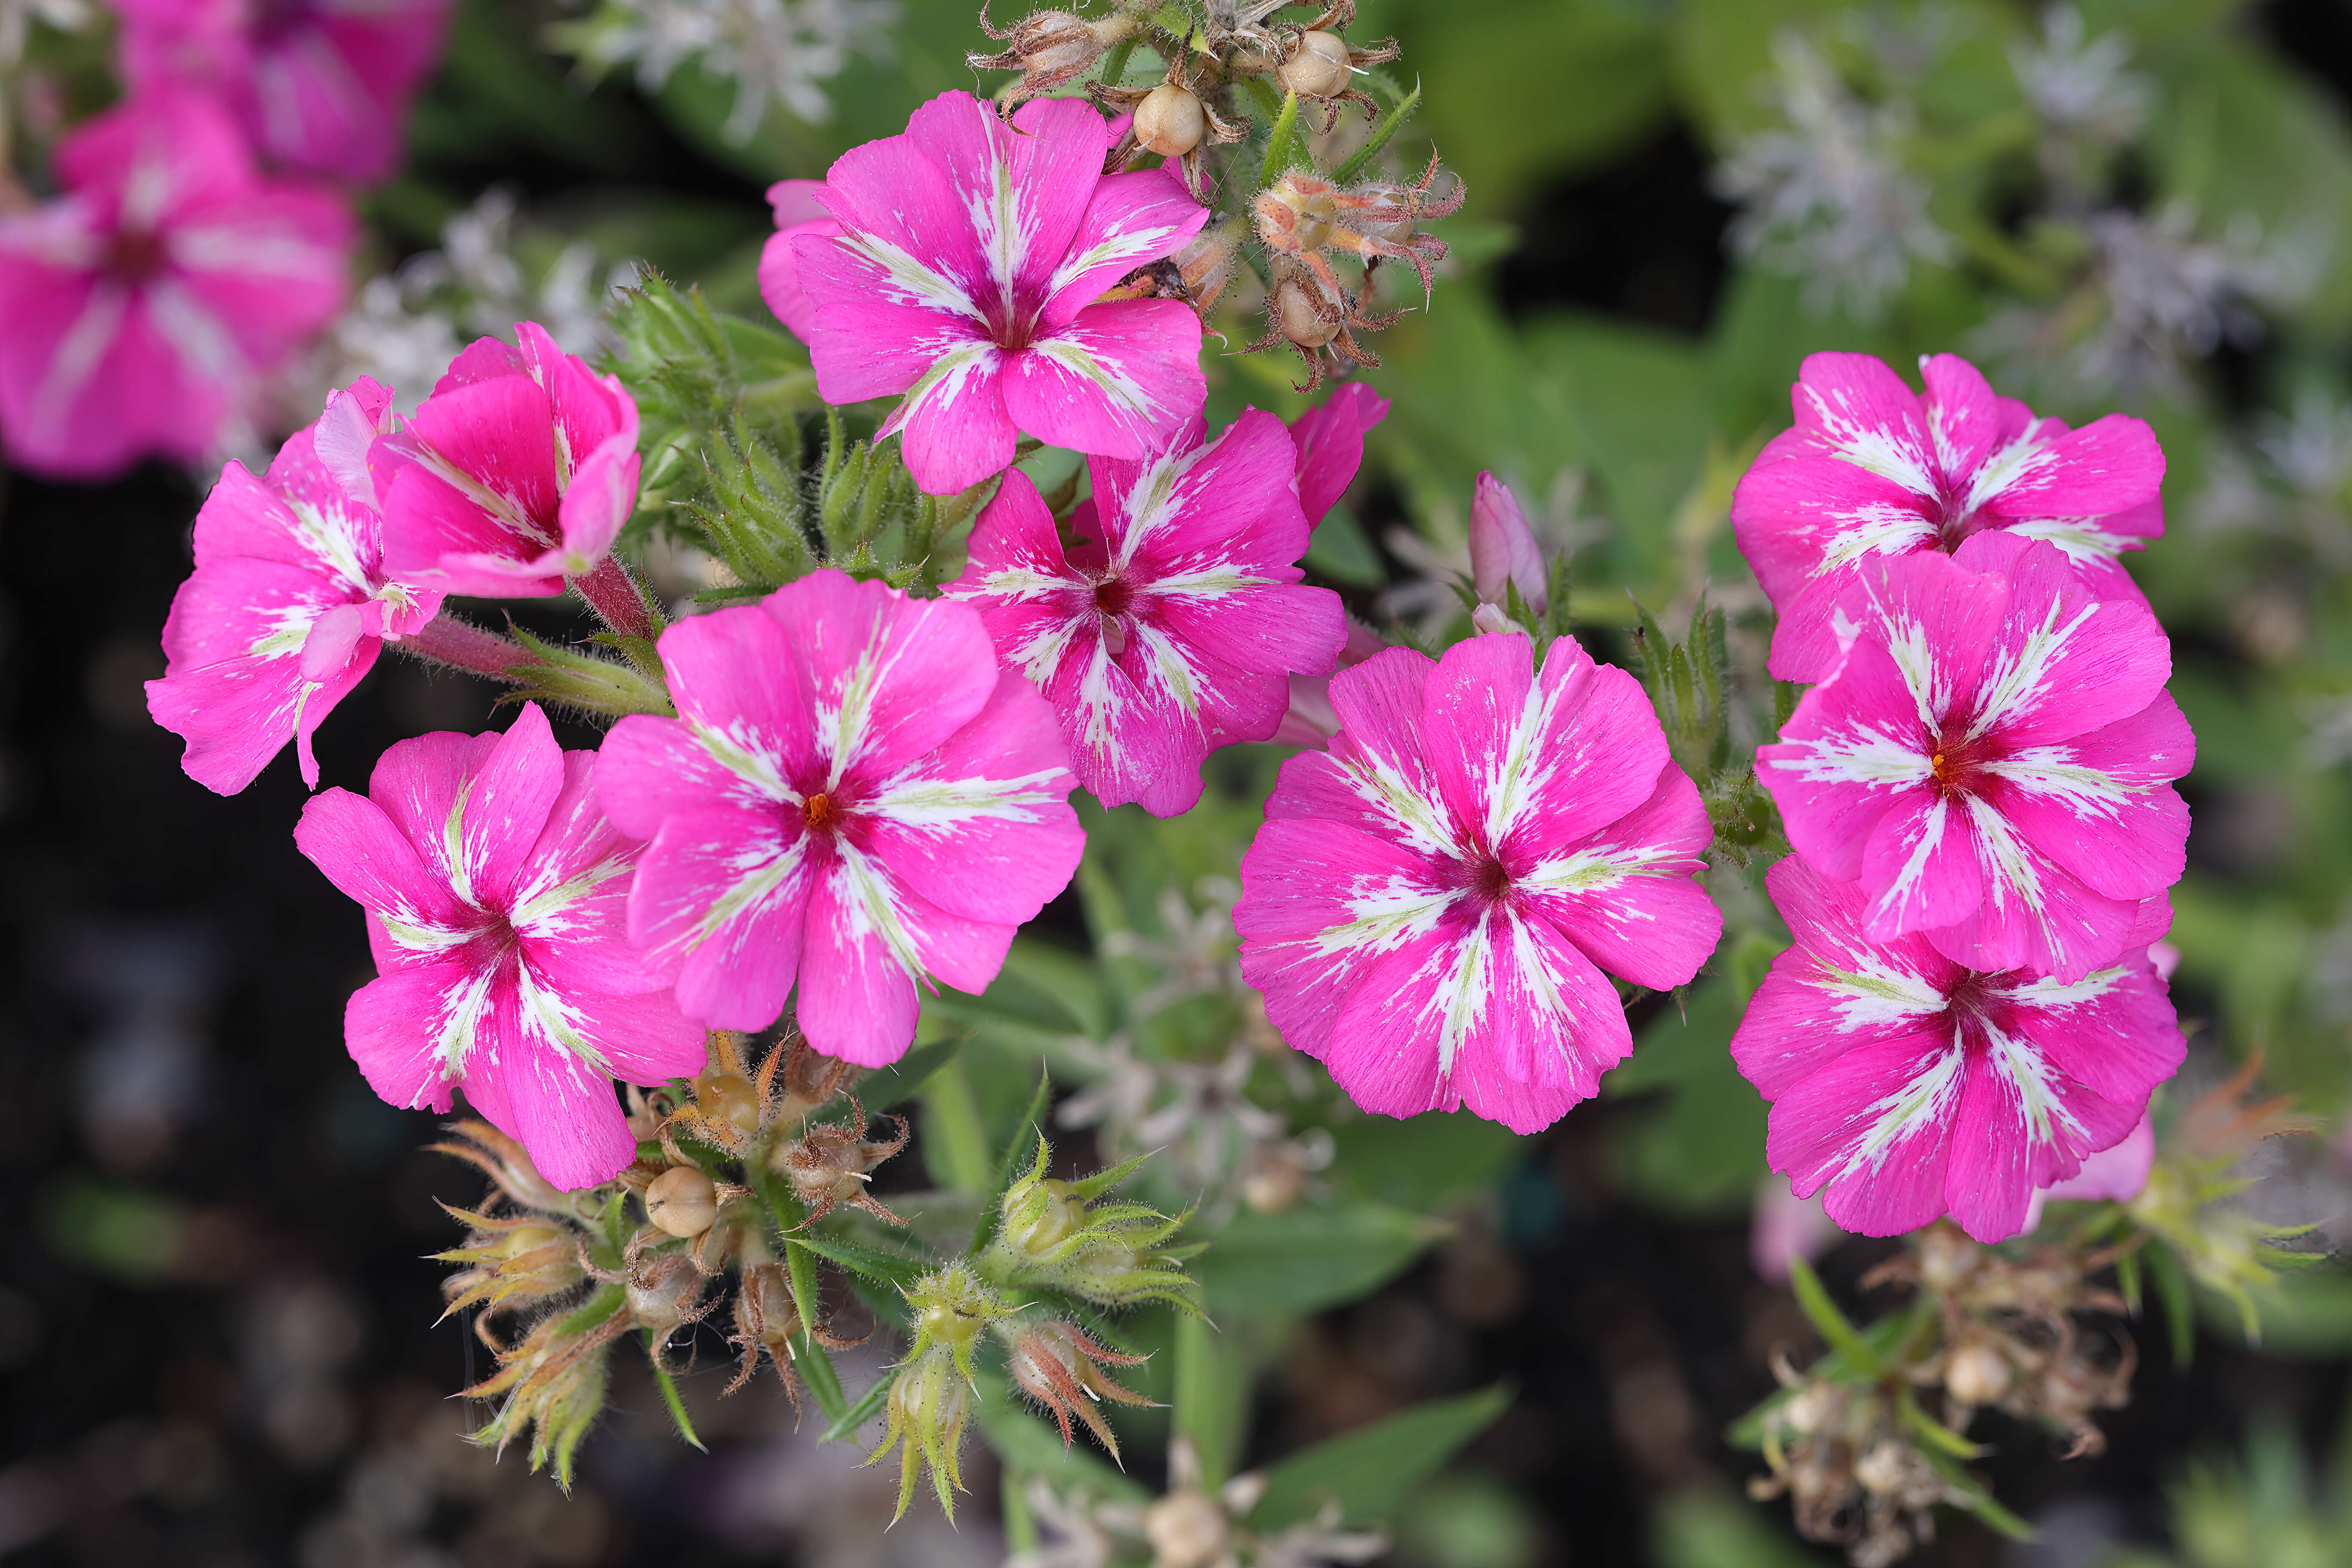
[1489,620]
[1503,548]
[1311,719]
[2117,1175]
[1784,1227]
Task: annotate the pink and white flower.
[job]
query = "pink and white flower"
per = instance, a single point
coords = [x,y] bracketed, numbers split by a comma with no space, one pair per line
[854,797]
[1174,628]
[1872,470]
[1906,1086]
[139,311]
[1992,760]
[965,277]
[1435,903]
[289,604]
[494,890]
[320,86]
[515,475]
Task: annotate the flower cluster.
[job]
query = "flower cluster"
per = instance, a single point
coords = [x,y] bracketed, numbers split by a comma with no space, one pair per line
[1978,792]
[203,231]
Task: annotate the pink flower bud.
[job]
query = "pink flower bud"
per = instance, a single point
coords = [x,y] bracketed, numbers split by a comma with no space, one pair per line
[1784,1227]
[1489,620]
[1503,548]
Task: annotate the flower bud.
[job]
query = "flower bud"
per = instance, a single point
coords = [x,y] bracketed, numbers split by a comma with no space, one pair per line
[1170,120]
[1503,548]
[512,1259]
[682,1202]
[727,1099]
[503,1160]
[950,1307]
[1055,1233]
[1489,620]
[927,1407]
[554,1383]
[1061,1369]
[1047,1217]
[1317,67]
[1207,266]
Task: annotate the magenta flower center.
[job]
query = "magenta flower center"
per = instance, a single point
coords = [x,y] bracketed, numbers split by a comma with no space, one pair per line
[1113,596]
[1956,759]
[135,256]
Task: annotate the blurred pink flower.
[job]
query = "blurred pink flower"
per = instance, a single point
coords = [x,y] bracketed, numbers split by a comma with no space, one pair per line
[517,473]
[288,603]
[965,275]
[1905,1085]
[139,310]
[853,796]
[1503,550]
[1330,441]
[320,86]
[494,891]
[1872,471]
[1173,628]
[1784,1225]
[1992,760]
[2116,1175]
[1435,903]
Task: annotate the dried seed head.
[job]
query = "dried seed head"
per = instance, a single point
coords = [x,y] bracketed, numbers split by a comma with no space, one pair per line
[1170,121]
[1296,314]
[1050,49]
[1976,1372]
[1187,1529]
[682,1201]
[1317,68]
[665,1295]
[727,1099]
[1059,1367]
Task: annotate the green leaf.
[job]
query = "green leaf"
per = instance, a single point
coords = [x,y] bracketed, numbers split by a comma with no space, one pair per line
[1370,1471]
[1968,1492]
[885,1087]
[1213,1396]
[870,1405]
[1934,1432]
[814,1366]
[1836,1332]
[1349,173]
[671,1397]
[2179,1305]
[1341,552]
[1020,1152]
[955,1144]
[1306,1258]
[1421,1163]
[882,1267]
[1286,144]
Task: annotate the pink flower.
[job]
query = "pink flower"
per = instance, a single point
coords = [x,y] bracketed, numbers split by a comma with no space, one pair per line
[853,795]
[1432,902]
[1992,760]
[1173,631]
[1871,469]
[1503,550]
[289,604]
[1310,720]
[799,206]
[1909,1085]
[320,86]
[965,277]
[517,473]
[1330,441]
[1785,1227]
[494,894]
[2116,1174]
[138,310]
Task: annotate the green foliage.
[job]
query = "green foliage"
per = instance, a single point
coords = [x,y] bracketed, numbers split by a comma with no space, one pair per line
[1368,1471]
[1305,1259]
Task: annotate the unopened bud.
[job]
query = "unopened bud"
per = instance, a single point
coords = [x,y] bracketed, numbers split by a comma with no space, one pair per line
[682,1201]
[1294,312]
[1060,1368]
[1489,620]
[1187,1529]
[1049,1215]
[728,1098]
[1317,68]
[1170,121]
[1207,266]
[1976,1372]
[1503,548]
[927,1407]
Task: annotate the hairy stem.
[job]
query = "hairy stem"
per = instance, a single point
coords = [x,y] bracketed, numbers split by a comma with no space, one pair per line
[616,598]
[462,645]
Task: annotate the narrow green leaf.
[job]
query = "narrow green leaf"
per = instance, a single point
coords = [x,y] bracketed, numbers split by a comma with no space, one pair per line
[1352,171]
[869,1404]
[2127,1280]
[2180,1307]
[886,1088]
[1934,1432]
[671,1397]
[1211,1399]
[1968,1492]
[1020,1150]
[1371,1470]
[955,1144]
[808,1357]
[1836,1332]
[882,1267]
[1286,144]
